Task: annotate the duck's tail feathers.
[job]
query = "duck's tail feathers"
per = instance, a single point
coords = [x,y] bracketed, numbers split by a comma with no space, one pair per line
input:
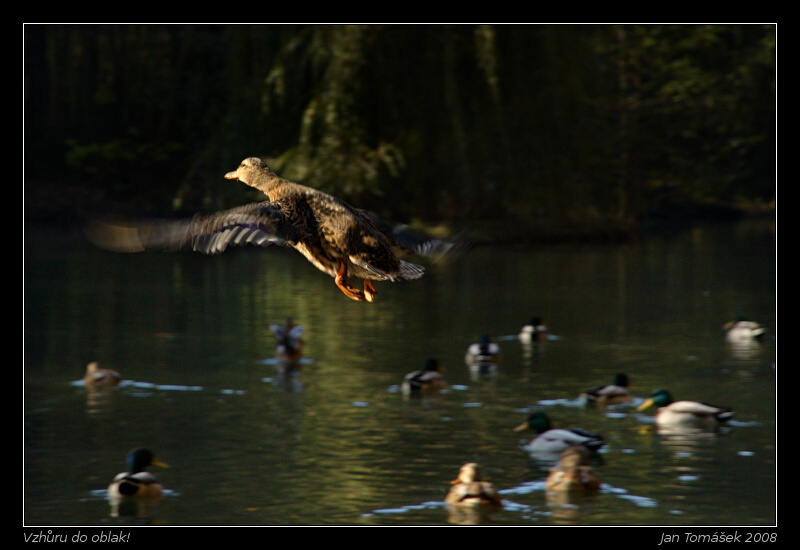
[410,271]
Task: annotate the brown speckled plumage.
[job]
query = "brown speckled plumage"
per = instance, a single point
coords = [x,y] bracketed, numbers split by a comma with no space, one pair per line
[573,472]
[338,239]
[470,489]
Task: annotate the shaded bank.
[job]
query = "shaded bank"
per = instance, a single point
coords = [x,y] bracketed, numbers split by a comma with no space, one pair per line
[44,205]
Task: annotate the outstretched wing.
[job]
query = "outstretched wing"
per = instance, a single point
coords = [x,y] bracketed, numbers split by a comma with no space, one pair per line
[408,240]
[422,245]
[259,224]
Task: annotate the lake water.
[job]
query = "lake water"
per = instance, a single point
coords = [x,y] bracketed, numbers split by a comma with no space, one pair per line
[337,444]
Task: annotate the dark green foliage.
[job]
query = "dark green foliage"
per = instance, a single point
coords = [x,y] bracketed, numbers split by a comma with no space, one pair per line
[584,126]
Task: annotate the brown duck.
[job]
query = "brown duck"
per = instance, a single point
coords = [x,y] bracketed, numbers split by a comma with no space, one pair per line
[95,376]
[573,472]
[470,489]
[336,238]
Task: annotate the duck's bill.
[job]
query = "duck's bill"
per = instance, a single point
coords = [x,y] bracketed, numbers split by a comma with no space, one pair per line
[647,403]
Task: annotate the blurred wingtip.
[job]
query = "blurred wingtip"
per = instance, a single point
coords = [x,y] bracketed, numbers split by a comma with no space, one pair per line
[436,249]
[115,236]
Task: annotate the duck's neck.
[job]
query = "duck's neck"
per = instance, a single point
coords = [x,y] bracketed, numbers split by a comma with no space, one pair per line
[268,183]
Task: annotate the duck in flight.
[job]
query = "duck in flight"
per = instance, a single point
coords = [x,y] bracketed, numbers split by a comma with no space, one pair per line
[338,239]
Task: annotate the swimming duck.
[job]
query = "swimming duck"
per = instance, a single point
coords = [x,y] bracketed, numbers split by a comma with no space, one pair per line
[427,380]
[573,472]
[685,413]
[741,330]
[610,394]
[96,377]
[336,238]
[484,351]
[469,489]
[136,481]
[534,331]
[288,341]
[553,441]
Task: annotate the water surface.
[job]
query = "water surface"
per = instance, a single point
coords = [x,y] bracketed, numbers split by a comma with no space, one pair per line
[337,444]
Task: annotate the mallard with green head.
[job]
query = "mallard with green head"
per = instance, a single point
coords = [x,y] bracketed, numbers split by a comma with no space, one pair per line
[336,238]
[469,489]
[136,481]
[573,472]
[695,414]
[610,394]
[427,380]
[553,441]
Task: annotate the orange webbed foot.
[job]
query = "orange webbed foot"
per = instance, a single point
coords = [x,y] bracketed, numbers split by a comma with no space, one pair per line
[369,290]
[349,290]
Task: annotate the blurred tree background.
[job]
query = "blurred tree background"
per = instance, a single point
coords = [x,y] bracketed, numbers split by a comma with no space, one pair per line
[560,131]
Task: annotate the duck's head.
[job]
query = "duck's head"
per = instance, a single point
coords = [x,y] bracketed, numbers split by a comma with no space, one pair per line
[659,398]
[621,380]
[538,422]
[251,171]
[577,455]
[139,459]
[731,324]
[431,365]
[468,473]
[740,319]
[535,321]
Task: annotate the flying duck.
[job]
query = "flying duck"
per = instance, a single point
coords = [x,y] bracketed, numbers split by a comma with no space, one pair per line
[338,239]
